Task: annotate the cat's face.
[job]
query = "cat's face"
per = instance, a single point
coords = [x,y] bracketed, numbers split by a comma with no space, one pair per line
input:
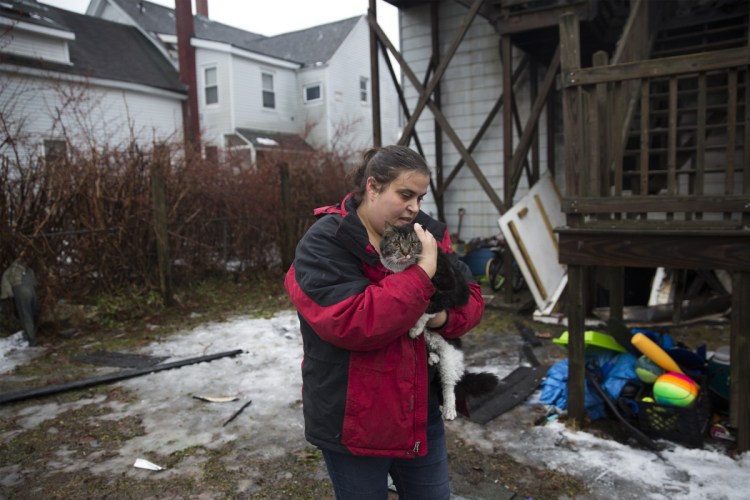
[399,247]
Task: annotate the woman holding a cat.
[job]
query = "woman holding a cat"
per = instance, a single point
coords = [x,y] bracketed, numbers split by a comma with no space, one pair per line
[367,398]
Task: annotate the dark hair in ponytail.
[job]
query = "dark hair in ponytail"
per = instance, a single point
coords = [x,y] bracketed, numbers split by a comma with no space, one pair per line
[385,165]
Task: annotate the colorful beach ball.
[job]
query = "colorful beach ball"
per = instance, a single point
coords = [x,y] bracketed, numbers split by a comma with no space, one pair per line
[675,389]
[647,370]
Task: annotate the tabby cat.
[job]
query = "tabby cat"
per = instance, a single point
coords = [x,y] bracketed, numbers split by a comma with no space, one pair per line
[400,248]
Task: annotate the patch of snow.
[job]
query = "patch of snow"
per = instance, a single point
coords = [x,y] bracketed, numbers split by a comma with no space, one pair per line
[268,374]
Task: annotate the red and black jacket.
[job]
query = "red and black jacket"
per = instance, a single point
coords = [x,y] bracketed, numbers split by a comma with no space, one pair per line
[365,381]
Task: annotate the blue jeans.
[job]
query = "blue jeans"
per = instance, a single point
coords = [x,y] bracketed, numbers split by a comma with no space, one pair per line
[366,478]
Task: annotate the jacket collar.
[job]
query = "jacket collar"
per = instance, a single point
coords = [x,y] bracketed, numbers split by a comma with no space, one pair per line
[351,233]
[343,208]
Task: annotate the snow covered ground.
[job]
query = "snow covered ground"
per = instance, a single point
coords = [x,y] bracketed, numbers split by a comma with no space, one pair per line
[268,374]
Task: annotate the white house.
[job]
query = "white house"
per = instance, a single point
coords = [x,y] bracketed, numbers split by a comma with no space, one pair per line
[66,78]
[313,83]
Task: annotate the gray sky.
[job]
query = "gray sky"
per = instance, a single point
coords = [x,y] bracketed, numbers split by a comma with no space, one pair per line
[278,16]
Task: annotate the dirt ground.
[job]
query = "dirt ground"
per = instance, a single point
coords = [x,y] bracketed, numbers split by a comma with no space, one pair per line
[28,456]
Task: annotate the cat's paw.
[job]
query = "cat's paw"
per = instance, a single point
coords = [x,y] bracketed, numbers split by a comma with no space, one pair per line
[433,359]
[415,331]
[419,327]
[449,413]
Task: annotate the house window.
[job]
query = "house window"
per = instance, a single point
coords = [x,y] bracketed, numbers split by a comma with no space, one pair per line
[55,150]
[363,89]
[312,92]
[211,86]
[269,96]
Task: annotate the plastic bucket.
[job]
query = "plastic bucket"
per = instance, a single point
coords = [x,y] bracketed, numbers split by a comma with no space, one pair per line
[718,372]
[477,260]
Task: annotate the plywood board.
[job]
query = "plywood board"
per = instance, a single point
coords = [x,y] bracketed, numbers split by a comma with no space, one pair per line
[529,230]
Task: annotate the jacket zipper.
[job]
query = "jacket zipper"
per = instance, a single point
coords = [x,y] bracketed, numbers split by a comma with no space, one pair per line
[414,397]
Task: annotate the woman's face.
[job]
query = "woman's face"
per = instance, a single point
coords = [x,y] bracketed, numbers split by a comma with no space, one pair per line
[399,202]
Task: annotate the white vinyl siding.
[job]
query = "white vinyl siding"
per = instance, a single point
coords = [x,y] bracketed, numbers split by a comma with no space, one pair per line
[345,113]
[215,119]
[34,45]
[470,87]
[40,109]
[247,107]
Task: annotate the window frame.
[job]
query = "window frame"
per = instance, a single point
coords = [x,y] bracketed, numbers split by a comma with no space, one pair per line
[206,85]
[268,92]
[308,86]
[364,92]
[55,150]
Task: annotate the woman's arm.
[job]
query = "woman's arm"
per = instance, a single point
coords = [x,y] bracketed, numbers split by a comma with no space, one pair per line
[328,286]
[462,319]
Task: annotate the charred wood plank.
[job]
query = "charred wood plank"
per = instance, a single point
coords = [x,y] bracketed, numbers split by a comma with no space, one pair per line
[685,249]
[9,397]
[627,204]
[668,66]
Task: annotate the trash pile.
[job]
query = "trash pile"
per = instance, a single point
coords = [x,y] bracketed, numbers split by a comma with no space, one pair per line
[656,388]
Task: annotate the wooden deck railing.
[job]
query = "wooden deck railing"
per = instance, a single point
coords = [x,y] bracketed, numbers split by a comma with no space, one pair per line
[686,164]
[675,193]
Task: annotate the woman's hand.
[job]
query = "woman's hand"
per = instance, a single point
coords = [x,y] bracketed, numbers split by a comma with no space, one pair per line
[438,321]
[428,259]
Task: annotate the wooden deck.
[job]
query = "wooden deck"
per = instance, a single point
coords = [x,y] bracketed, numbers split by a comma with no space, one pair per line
[657,175]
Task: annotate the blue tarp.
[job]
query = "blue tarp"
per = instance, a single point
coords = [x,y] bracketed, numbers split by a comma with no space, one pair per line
[617,369]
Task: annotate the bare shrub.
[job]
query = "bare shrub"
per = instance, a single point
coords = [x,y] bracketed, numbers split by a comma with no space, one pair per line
[84,221]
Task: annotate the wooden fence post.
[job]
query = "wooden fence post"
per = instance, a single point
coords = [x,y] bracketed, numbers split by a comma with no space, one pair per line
[159,164]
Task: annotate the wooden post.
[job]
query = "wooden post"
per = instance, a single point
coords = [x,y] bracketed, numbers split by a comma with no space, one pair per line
[570,59]
[576,363]
[551,133]
[437,98]
[533,93]
[613,276]
[507,57]
[739,375]
[159,166]
[377,138]
[740,348]
[287,224]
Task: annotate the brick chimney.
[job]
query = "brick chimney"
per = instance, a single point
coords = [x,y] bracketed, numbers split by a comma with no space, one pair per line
[201,7]
[186,55]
